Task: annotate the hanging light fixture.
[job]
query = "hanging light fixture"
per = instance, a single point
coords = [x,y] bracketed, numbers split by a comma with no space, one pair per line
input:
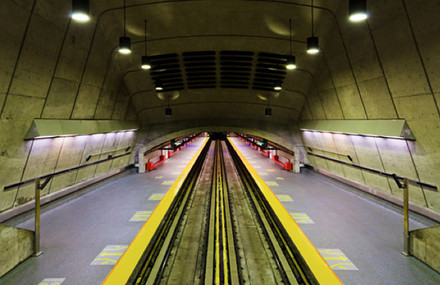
[312,42]
[80,10]
[145,64]
[159,86]
[168,110]
[268,110]
[124,41]
[291,62]
[278,86]
[357,10]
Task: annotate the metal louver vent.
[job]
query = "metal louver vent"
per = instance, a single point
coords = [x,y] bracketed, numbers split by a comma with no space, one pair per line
[225,69]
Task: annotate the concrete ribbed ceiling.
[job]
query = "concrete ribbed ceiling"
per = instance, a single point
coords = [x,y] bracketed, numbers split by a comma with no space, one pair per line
[182,27]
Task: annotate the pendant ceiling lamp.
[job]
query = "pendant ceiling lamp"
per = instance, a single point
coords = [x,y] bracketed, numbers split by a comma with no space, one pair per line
[168,110]
[145,64]
[278,86]
[80,10]
[312,42]
[357,10]
[124,41]
[159,86]
[268,110]
[291,62]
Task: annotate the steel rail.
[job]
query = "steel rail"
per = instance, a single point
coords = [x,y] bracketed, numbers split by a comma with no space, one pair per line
[281,245]
[151,265]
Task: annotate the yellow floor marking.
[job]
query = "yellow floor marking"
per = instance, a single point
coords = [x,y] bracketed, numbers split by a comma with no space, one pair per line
[284,198]
[156,197]
[257,166]
[122,270]
[175,173]
[117,247]
[168,182]
[158,177]
[337,260]
[322,271]
[339,265]
[280,178]
[272,183]
[270,169]
[263,173]
[140,216]
[302,218]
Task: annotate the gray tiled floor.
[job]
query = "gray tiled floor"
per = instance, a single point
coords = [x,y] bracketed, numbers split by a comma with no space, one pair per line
[77,230]
[367,231]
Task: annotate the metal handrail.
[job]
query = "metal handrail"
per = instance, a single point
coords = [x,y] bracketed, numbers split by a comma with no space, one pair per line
[404,186]
[390,175]
[49,176]
[332,152]
[38,187]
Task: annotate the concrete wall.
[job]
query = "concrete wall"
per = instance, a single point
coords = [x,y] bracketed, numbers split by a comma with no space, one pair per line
[54,68]
[386,68]
[425,245]
[15,245]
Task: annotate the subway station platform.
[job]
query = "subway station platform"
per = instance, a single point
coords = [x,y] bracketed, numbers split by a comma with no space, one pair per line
[84,236]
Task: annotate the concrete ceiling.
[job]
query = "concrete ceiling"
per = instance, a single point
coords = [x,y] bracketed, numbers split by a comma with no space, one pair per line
[186,26]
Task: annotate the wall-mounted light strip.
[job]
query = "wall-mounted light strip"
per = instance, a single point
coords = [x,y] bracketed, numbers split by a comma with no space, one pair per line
[46,128]
[397,129]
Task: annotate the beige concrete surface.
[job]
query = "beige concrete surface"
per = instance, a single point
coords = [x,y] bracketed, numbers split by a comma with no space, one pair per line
[15,245]
[425,245]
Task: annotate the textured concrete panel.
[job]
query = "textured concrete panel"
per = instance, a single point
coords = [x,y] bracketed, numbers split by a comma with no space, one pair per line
[369,156]
[344,146]
[60,99]
[93,148]
[400,59]
[15,245]
[69,156]
[361,51]
[86,102]
[427,34]
[100,57]
[38,58]
[330,101]
[338,61]
[425,245]
[316,107]
[328,144]
[75,50]
[377,99]
[351,102]
[17,117]
[42,160]
[423,120]
[11,36]
[396,159]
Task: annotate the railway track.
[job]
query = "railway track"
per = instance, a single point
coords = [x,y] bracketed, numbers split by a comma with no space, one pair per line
[220,230]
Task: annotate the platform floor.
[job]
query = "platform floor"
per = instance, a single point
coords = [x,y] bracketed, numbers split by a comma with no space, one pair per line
[83,237]
[359,236]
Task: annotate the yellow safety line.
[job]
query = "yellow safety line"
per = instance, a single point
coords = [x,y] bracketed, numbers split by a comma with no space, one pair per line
[225,256]
[217,238]
[321,270]
[122,270]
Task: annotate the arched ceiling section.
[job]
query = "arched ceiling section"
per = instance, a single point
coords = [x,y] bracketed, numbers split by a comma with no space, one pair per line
[187,26]
[281,134]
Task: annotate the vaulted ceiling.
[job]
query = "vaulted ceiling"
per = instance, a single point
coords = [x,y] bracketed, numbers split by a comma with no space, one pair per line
[203,87]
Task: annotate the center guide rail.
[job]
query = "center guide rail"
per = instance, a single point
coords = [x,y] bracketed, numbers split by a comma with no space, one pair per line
[128,262]
[316,263]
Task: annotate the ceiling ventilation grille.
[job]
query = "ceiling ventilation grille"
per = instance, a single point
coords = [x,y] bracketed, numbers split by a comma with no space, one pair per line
[226,69]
